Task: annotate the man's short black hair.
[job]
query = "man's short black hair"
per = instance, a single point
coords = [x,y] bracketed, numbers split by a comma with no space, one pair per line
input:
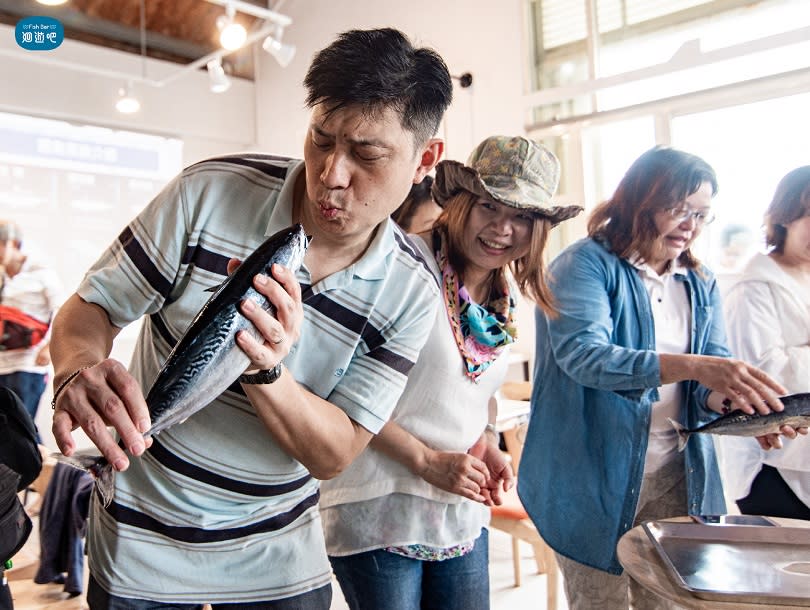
[379,69]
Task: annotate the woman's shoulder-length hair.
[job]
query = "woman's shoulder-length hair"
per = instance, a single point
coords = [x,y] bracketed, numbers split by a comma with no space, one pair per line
[660,179]
[791,201]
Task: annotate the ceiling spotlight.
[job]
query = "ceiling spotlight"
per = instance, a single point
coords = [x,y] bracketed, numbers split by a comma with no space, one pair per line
[232,35]
[219,81]
[127,103]
[52,2]
[283,53]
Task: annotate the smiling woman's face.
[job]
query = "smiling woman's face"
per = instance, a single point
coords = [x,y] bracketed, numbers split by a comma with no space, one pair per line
[496,234]
[674,235]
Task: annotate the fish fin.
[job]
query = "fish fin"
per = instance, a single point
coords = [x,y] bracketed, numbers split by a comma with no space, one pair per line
[683,435]
[96,465]
[105,482]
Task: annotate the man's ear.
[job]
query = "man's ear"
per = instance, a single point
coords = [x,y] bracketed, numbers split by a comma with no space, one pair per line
[431,154]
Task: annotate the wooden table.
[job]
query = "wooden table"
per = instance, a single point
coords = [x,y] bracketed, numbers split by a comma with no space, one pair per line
[643,564]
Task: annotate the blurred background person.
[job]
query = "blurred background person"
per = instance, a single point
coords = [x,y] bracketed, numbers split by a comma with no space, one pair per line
[419,211]
[768,324]
[33,289]
[737,244]
[406,522]
[638,339]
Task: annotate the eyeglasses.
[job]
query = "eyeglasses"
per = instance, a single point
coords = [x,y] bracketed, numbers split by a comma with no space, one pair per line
[683,213]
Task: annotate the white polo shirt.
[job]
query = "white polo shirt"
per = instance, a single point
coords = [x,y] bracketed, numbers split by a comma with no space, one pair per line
[672,316]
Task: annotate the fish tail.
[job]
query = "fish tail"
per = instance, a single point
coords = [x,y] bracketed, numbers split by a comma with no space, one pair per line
[98,466]
[683,435]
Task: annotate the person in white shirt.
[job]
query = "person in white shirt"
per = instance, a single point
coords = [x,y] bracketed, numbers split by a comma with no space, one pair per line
[768,324]
[35,290]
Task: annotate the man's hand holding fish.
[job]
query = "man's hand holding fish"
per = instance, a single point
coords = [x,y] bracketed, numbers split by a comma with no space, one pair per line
[279,332]
[97,380]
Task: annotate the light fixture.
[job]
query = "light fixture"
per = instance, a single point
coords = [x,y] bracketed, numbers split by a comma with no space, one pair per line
[268,31]
[232,35]
[52,2]
[219,81]
[127,103]
[283,52]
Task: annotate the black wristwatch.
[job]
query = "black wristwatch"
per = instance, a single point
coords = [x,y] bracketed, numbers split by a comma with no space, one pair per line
[265,376]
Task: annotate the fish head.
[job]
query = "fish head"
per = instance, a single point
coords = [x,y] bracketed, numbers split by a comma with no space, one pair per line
[286,247]
[298,244]
[797,404]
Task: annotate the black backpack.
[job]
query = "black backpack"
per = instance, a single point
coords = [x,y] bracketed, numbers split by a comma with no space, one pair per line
[18,439]
[20,464]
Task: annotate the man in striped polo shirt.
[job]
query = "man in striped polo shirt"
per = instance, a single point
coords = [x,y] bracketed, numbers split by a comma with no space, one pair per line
[223,507]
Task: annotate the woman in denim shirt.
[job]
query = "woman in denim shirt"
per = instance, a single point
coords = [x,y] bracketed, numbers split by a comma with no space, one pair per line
[639,339]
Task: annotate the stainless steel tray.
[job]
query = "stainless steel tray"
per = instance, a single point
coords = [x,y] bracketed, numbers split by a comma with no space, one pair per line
[742,563]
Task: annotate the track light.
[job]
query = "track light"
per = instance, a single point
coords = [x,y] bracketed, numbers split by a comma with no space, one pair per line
[127,103]
[232,35]
[283,53]
[219,81]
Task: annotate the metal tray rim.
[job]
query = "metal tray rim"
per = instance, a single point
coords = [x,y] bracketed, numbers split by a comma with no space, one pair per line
[717,532]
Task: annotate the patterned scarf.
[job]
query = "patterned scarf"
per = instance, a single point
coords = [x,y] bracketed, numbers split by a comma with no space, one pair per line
[481,332]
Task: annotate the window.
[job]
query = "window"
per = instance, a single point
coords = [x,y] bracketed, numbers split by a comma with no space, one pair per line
[751,147]
[72,188]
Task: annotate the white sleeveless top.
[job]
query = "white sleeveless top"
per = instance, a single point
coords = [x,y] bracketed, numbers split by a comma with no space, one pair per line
[377,502]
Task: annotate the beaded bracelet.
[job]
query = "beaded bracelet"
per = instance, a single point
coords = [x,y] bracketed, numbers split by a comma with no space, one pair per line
[64,384]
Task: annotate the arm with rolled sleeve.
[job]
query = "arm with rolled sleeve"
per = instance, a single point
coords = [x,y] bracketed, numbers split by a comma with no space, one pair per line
[593,317]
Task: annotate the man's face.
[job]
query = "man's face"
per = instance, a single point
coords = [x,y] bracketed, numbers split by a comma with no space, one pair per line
[359,168]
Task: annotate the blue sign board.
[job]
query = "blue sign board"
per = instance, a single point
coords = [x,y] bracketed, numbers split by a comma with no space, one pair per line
[39,33]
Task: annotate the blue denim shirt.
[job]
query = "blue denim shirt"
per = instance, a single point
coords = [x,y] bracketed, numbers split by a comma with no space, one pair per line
[596,376]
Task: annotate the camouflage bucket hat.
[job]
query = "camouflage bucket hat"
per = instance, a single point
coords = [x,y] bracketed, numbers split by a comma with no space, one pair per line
[514,171]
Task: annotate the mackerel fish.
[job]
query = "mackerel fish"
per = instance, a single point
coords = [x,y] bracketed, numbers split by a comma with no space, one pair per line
[207,360]
[738,423]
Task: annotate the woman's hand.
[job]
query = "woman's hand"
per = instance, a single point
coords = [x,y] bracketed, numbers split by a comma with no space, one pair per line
[458,473]
[501,478]
[748,388]
[721,404]
[774,440]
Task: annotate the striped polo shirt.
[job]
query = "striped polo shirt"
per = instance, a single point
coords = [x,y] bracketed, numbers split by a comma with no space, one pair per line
[215,511]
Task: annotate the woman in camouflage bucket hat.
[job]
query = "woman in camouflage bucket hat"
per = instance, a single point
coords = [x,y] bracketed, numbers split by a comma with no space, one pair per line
[412,532]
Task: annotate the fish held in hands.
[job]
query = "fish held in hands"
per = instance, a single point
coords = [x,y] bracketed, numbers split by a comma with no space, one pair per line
[207,360]
[738,423]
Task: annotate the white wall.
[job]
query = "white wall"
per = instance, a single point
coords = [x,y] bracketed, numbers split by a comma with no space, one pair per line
[43,83]
[484,38]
